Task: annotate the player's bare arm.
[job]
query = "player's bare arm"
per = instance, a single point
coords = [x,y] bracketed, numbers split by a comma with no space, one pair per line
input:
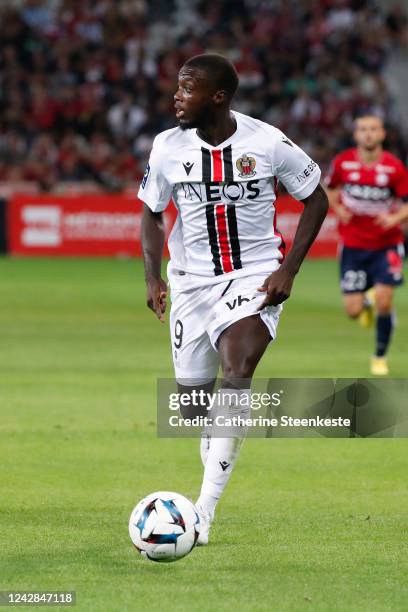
[343,214]
[392,219]
[153,236]
[278,285]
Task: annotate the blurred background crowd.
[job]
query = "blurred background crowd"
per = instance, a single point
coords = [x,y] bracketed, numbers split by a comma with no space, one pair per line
[86,84]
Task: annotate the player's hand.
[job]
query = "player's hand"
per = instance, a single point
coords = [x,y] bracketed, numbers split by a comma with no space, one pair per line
[277,287]
[344,214]
[387,220]
[156,296]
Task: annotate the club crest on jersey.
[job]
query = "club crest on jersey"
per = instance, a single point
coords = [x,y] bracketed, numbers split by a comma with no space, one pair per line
[246,166]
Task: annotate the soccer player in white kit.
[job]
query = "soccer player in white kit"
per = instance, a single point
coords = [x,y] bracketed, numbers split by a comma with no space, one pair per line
[227,272]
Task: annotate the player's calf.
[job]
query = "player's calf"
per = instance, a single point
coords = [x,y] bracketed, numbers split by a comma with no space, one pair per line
[384,327]
[353,304]
[384,299]
[199,408]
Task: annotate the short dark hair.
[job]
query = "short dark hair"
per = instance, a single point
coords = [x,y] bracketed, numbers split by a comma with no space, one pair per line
[368,114]
[220,70]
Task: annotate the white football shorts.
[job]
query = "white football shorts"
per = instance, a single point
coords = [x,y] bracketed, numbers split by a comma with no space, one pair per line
[198,317]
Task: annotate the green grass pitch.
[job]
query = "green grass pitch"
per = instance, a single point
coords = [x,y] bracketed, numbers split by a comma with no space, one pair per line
[304,524]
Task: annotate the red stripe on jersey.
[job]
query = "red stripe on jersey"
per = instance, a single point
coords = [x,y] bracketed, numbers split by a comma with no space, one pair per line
[223,240]
[216,165]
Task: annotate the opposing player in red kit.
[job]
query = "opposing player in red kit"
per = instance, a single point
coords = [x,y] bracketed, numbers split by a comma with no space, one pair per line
[367,187]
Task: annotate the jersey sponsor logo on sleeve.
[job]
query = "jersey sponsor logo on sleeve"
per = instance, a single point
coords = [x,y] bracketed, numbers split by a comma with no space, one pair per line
[303,176]
[145,176]
[246,166]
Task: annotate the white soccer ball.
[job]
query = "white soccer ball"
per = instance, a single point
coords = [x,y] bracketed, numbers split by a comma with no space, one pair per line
[164,526]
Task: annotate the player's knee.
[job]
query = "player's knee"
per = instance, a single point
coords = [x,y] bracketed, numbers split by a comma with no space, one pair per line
[383,302]
[383,308]
[195,399]
[353,310]
[239,372]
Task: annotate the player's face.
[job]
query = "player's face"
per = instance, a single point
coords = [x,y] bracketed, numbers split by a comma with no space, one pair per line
[194,102]
[369,133]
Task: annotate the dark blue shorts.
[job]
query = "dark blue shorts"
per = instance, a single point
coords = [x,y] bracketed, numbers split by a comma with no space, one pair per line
[361,269]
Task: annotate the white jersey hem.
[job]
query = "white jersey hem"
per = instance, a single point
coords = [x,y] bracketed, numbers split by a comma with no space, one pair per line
[181,280]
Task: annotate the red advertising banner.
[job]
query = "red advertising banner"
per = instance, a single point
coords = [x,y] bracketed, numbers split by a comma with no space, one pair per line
[109,225]
[288,213]
[88,225]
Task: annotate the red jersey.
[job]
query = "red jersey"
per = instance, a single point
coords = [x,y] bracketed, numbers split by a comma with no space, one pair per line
[368,190]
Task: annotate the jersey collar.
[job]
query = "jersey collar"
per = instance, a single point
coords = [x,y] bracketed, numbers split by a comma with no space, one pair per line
[371,164]
[221,145]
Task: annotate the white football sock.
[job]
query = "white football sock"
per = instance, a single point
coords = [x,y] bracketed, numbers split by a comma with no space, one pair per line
[204,447]
[223,452]
[205,441]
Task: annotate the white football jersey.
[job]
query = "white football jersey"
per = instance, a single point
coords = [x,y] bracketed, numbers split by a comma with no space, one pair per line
[226,225]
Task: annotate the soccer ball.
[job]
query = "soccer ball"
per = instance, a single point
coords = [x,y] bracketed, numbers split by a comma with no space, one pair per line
[164,526]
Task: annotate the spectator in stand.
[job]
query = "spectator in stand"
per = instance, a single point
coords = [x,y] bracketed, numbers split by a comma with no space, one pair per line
[85,84]
[126,118]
